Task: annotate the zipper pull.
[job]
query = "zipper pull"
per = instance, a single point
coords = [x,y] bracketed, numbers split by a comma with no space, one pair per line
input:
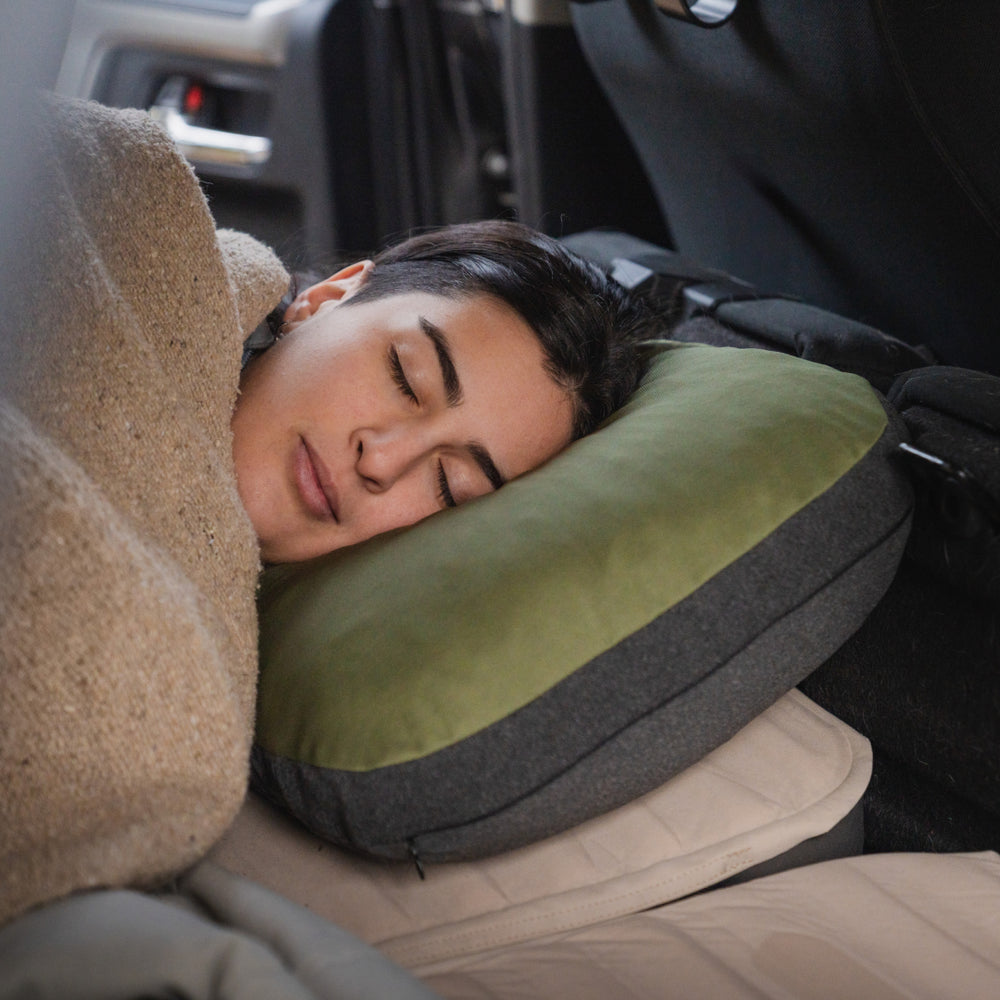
[411,848]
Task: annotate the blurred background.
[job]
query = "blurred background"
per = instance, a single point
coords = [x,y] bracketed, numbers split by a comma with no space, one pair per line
[333,126]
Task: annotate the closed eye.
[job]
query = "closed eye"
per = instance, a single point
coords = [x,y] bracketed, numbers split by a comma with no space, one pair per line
[399,376]
[444,490]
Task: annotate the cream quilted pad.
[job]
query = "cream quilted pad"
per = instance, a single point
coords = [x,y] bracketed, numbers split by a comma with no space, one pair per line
[789,775]
[878,927]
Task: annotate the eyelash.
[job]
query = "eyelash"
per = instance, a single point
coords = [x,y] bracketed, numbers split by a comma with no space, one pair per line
[444,490]
[402,383]
[399,376]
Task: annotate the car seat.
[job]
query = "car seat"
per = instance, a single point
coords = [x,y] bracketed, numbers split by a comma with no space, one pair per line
[919,677]
[843,153]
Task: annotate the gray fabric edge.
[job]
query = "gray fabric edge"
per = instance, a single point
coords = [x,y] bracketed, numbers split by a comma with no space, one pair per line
[215,936]
[845,839]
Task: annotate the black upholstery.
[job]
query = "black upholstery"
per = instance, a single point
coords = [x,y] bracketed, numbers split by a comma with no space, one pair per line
[919,677]
[844,153]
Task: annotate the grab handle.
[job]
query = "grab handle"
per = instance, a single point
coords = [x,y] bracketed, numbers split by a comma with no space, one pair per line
[209,145]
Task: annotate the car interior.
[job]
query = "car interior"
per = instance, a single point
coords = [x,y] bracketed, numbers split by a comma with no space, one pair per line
[706,706]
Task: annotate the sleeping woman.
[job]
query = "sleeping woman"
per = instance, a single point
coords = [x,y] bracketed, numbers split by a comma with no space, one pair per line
[447,366]
[128,627]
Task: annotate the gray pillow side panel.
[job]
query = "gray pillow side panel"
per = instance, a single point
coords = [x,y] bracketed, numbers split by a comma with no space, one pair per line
[676,735]
[683,648]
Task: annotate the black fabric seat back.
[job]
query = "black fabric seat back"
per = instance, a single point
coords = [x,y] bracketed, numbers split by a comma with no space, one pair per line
[919,677]
[843,153]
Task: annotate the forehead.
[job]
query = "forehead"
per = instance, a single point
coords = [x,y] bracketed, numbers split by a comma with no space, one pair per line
[476,326]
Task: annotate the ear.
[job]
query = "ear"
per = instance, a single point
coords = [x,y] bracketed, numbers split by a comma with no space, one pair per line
[336,288]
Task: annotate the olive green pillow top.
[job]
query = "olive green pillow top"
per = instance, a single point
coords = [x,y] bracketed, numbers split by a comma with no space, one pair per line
[448,679]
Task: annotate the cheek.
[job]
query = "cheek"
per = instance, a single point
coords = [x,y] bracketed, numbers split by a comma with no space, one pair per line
[314,353]
[344,384]
[409,501]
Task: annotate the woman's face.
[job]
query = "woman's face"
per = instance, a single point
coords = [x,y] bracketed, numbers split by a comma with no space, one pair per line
[369,417]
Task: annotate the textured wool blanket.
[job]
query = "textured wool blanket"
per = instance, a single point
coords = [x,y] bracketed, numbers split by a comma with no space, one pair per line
[127,621]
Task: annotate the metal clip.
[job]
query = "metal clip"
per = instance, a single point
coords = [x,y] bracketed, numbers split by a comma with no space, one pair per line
[411,848]
[704,13]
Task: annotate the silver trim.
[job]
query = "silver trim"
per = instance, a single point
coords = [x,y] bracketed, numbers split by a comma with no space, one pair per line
[101,26]
[208,145]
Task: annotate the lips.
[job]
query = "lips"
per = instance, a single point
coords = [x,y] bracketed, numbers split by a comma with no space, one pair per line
[317,492]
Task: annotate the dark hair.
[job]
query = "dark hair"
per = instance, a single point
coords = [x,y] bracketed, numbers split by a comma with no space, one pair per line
[588,325]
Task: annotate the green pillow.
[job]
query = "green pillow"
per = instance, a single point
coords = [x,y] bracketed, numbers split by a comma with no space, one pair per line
[513,667]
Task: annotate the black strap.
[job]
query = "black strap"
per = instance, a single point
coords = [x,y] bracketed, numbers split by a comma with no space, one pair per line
[685,290]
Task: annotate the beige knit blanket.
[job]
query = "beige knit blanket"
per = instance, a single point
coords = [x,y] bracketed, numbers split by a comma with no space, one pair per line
[127,566]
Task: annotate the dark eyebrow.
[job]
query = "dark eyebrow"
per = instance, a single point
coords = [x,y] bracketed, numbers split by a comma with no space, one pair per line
[486,463]
[452,386]
[453,394]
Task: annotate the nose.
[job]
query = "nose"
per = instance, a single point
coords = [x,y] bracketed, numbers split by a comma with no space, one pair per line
[383,457]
